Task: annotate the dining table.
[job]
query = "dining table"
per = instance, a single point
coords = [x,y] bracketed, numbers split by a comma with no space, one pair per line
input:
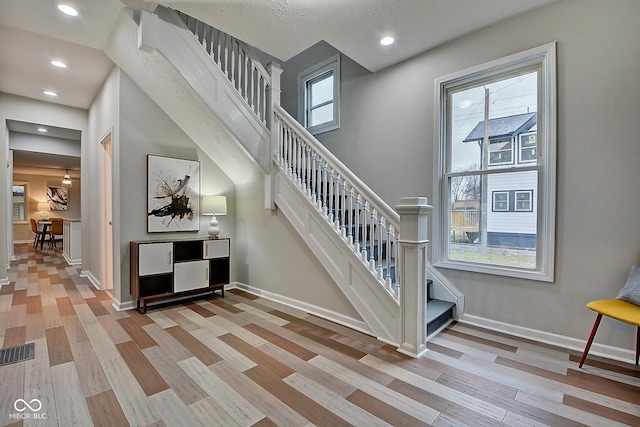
[45,225]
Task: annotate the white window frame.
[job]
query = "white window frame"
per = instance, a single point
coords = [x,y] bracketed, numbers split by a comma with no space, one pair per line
[509,150]
[329,65]
[520,147]
[493,202]
[529,200]
[542,59]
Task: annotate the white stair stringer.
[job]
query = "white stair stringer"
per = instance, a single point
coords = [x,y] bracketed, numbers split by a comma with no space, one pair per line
[379,310]
[165,33]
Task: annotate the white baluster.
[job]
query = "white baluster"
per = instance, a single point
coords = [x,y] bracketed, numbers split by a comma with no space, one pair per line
[253,91]
[388,260]
[356,228]
[233,62]
[242,66]
[258,94]
[372,238]
[381,235]
[365,230]
[331,201]
[265,88]
[344,199]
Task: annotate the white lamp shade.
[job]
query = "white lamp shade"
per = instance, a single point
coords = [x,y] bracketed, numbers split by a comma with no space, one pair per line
[43,206]
[214,205]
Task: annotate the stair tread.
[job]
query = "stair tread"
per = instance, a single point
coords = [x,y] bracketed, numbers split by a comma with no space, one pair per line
[436,308]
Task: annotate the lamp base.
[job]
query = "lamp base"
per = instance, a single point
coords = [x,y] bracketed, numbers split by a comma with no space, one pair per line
[213,230]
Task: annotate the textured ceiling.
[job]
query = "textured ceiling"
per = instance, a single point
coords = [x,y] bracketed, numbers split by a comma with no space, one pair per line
[284,28]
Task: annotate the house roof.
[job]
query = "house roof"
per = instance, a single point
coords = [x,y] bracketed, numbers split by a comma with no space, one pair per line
[503,126]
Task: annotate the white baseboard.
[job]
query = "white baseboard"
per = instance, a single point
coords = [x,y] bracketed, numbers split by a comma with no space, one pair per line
[122,306]
[95,282]
[614,353]
[4,281]
[72,262]
[338,318]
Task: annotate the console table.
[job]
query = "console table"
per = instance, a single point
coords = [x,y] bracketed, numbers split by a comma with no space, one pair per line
[166,269]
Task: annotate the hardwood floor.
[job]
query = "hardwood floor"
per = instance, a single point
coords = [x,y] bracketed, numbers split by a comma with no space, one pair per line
[243,361]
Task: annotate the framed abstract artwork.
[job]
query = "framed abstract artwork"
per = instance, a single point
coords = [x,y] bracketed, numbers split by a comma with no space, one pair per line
[58,198]
[173,194]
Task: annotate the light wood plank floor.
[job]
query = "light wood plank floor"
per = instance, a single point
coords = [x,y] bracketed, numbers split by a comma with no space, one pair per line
[246,361]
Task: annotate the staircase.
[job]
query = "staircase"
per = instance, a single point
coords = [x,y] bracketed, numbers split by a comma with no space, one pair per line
[439,312]
[354,234]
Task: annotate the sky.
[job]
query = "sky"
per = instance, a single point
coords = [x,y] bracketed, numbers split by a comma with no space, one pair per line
[515,95]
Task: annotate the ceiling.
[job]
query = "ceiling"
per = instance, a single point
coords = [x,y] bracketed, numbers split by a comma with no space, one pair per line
[33,32]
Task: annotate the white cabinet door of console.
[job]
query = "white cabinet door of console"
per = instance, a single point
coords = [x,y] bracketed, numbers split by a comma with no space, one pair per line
[216,248]
[191,275]
[155,258]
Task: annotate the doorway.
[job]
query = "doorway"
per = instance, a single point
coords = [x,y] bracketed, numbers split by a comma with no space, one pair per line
[106,212]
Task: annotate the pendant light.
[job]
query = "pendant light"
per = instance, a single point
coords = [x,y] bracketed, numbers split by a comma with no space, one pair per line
[66,180]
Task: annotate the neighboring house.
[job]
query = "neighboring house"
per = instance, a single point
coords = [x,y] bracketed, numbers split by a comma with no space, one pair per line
[511,215]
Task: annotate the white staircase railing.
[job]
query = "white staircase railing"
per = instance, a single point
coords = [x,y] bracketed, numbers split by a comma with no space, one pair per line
[366,223]
[237,62]
[369,229]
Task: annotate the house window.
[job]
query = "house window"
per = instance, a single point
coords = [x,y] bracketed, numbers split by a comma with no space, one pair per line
[496,135]
[18,200]
[501,201]
[524,202]
[528,148]
[319,96]
[500,151]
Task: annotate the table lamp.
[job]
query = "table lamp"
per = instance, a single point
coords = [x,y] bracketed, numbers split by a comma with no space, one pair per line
[214,205]
[43,207]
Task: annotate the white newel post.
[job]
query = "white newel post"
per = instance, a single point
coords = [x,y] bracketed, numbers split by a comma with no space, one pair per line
[274,70]
[412,247]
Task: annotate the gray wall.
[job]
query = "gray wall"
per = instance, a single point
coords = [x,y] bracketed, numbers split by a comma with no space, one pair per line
[391,148]
[146,129]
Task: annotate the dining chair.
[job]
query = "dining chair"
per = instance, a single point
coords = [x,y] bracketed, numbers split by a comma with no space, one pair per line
[38,233]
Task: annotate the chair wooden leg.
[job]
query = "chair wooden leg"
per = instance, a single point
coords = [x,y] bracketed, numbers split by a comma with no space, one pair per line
[638,346]
[593,334]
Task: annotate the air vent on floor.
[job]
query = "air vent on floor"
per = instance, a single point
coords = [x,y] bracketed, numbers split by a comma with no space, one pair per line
[17,354]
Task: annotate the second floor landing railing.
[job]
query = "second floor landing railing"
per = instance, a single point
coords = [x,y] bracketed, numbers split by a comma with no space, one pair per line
[235,59]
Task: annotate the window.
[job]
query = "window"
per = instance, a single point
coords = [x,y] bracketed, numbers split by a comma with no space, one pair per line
[19,197]
[528,148]
[500,151]
[496,151]
[319,96]
[523,201]
[501,201]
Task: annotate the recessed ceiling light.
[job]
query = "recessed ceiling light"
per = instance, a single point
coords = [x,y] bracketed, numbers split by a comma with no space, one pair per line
[67,10]
[59,64]
[49,93]
[386,40]
[42,130]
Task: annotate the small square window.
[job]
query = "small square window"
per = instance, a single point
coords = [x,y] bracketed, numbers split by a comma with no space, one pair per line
[500,151]
[501,201]
[524,201]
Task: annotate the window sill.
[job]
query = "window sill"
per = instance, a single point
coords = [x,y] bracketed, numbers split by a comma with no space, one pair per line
[517,273]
